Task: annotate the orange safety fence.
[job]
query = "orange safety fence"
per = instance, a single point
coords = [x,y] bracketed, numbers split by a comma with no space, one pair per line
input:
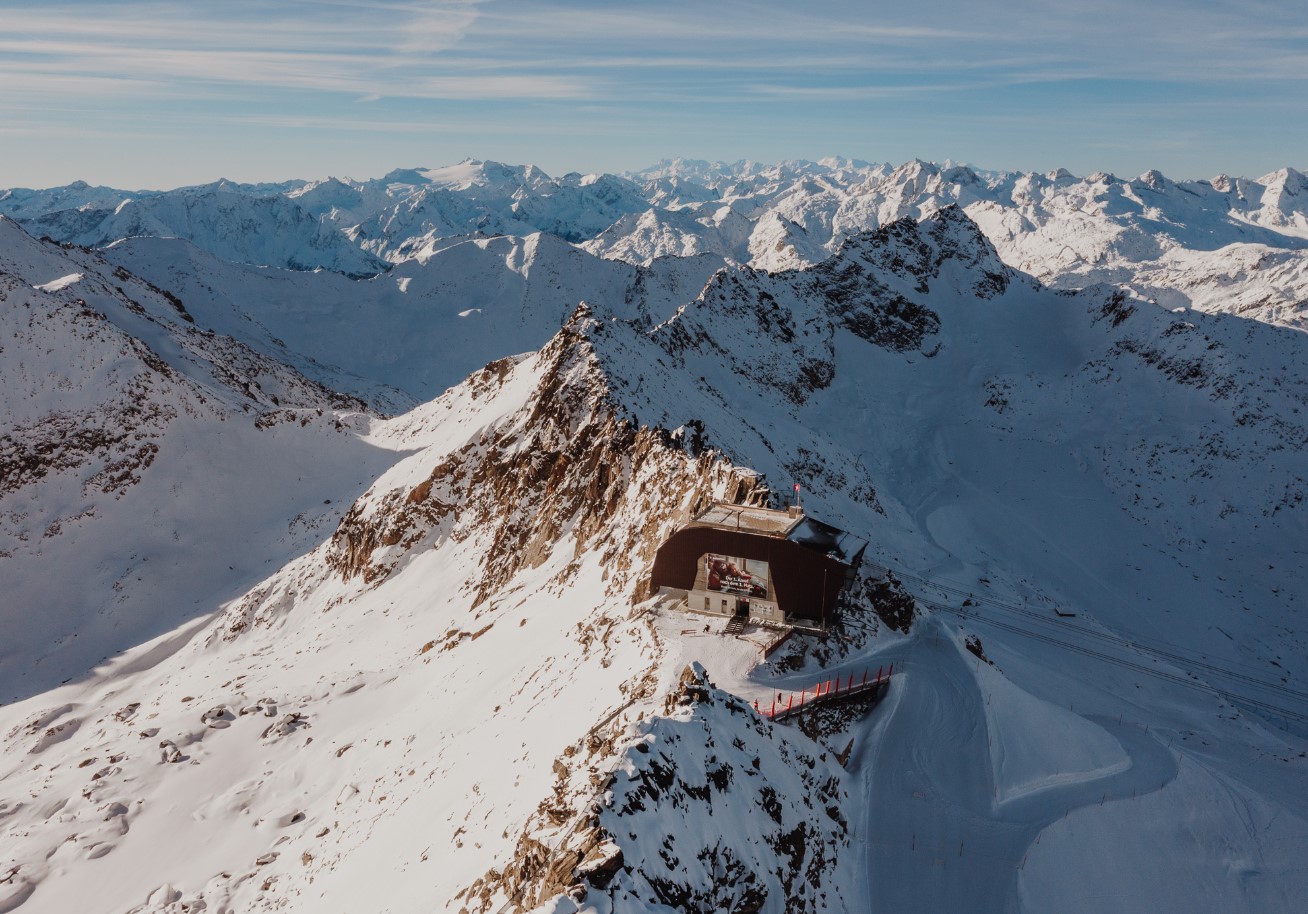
[825,690]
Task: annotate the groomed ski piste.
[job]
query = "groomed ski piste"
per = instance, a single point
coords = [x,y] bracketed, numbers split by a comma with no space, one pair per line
[430,678]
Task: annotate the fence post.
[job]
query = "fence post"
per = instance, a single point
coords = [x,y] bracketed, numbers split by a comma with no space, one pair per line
[791,702]
[773,712]
[864,675]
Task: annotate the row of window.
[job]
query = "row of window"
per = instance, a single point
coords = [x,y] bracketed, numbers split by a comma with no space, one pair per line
[708,607]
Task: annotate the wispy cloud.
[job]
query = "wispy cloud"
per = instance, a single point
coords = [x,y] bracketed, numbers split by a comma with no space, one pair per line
[548,50]
[391,49]
[642,77]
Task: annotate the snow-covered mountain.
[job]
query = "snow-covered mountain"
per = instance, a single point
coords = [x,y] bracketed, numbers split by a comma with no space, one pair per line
[1149,234]
[267,650]
[1184,242]
[406,336]
[226,220]
[136,441]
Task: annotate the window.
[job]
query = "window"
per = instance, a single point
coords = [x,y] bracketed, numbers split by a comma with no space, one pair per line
[724,606]
[708,604]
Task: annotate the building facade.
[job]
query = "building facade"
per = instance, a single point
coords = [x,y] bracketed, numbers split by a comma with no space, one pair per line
[770,567]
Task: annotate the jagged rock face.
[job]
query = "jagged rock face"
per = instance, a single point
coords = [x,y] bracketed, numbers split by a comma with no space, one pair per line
[891,602]
[855,280]
[711,808]
[920,252]
[699,780]
[778,330]
[110,441]
[757,326]
[559,471]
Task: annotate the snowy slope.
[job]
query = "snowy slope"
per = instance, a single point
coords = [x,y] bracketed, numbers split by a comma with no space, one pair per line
[973,367]
[1086,452]
[473,627]
[459,694]
[406,336]
[223,219]
[1083,452]
[131,437]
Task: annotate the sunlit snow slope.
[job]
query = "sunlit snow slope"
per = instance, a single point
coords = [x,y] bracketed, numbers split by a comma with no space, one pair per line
[450,688]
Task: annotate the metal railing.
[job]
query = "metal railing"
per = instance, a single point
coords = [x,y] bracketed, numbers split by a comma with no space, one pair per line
[826,692]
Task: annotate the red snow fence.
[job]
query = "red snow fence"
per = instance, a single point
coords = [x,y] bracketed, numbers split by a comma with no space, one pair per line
[827,691]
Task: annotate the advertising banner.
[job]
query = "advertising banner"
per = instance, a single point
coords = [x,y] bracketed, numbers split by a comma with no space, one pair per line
[747,577]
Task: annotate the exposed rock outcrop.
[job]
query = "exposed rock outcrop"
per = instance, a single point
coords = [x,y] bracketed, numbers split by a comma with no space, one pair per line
[775,801]
[555,474]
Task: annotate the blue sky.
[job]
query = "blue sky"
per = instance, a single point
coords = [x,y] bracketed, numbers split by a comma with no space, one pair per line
[148,94]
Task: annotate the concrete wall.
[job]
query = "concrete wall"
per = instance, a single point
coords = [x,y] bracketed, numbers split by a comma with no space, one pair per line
[708,601]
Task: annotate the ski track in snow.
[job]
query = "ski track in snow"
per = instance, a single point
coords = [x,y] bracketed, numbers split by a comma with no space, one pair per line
[935,836]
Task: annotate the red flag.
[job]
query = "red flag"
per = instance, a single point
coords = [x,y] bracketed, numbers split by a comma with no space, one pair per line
[796,488]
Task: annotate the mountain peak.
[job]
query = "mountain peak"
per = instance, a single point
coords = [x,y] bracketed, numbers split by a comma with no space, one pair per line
[405,176]
[1153,179]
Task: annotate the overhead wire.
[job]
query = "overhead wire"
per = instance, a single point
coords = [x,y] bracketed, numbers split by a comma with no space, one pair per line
[1193,683]
[1174,653]
[1189,681]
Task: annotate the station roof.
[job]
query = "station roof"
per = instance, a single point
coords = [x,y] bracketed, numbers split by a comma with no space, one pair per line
[824,538]
[746,519]
[804,530]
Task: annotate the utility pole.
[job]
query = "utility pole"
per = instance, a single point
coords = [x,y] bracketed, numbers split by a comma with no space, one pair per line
[824,590]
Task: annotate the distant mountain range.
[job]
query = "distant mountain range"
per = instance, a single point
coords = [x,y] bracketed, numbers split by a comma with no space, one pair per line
[1228,244]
